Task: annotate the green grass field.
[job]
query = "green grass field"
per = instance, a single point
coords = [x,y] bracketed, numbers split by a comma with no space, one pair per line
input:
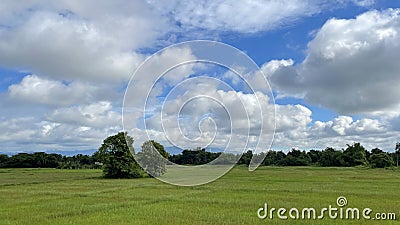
[50,196]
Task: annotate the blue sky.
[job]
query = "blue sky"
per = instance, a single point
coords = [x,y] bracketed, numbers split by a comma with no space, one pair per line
[332,67]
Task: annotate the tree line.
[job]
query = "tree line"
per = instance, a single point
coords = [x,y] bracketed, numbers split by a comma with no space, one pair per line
[115,157]
[45,160]
[353,155]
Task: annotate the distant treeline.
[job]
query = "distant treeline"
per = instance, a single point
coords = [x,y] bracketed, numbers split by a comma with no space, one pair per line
[353,155]
[45,160]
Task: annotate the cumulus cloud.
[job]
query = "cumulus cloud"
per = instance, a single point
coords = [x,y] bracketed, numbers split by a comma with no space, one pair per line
[344,125]
[16,128]
[48,92]
[29,134]
[283,76]
[292,117]
[163,71]
[343,130]
[336,133]
[351,65]
[78,40]
[74,128]
[95,115]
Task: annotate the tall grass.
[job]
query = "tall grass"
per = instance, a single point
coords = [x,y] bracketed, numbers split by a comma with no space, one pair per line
[48,196]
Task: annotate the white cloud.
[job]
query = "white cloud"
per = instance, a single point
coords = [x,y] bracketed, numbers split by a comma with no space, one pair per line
[79,40]
[36,90]
[344,125]
[75,128]
[283,76]
[95,115]
[241,16]
[244,16]
[164,69]
[351,65]
[16,128]
[337,133]
[292,117]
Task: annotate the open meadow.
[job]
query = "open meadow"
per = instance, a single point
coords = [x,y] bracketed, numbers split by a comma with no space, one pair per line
[53,196]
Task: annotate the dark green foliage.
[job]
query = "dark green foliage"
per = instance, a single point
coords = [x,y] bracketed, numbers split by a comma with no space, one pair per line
[331,157]
[280,157]
[78,161]
[53,160]
[354,155]
[22,160]
[246,158]
[376,151]
[274,158]
[116,153]
[45,160]
[297,158]
[3,160]
[194,157]
[381,160]
[315,156]
[33,160]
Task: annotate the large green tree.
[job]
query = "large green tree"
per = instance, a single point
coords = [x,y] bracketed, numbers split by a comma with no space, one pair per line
[116,153]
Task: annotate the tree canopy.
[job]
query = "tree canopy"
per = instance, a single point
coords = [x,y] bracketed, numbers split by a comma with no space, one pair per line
[116,153]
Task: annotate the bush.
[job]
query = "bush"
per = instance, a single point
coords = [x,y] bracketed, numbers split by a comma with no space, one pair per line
[381,160]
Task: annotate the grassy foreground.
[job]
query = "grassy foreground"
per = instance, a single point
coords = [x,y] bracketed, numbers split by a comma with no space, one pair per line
[50,196]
